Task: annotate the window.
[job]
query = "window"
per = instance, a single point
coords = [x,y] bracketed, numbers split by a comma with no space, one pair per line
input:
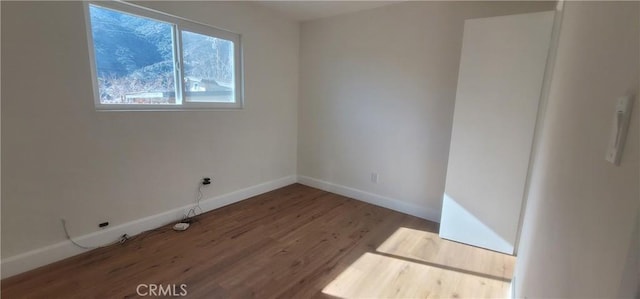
[147,60]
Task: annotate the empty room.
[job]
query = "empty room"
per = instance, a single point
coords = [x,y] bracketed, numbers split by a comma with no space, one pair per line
[320,149]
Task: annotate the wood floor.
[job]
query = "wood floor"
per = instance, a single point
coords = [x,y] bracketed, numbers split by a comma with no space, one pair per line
[294,242]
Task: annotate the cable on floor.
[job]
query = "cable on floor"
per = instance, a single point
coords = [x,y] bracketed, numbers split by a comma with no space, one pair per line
[120,240]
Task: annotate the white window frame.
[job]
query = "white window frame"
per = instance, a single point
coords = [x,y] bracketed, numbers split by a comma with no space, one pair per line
[178,24]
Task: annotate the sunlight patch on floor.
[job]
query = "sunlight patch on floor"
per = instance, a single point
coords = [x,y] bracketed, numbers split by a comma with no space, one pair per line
[412,243]
[428,247]
[418,264]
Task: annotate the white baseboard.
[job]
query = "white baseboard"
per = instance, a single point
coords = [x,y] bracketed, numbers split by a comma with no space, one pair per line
[374,199]
[55,252]
[46,255]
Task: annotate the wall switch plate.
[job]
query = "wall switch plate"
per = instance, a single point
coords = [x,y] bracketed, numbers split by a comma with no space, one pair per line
[621,119]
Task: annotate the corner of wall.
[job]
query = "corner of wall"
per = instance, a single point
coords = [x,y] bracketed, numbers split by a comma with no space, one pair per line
[371,198]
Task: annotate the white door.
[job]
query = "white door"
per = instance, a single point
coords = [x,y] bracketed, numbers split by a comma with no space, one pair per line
[501,71]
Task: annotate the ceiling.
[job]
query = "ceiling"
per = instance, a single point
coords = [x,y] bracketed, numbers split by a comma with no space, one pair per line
[309,10]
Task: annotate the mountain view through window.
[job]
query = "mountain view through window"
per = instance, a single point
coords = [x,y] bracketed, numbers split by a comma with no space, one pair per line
[136,64]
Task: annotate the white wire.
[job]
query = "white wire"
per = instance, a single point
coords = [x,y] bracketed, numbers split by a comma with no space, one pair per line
[122,240]
[66,232]
[199,197]
[193,211]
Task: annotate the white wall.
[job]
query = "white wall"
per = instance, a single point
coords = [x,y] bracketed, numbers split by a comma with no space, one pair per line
[377,92]
[61,158]
[581,218]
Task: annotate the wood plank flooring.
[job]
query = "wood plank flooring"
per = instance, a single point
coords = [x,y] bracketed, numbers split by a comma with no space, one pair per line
[294,242]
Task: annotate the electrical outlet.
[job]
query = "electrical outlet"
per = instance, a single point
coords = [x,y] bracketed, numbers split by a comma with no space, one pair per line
[374,177]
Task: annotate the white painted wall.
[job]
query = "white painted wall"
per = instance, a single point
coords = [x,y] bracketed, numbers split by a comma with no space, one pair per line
[581,221]
[377,92]
[61,158]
